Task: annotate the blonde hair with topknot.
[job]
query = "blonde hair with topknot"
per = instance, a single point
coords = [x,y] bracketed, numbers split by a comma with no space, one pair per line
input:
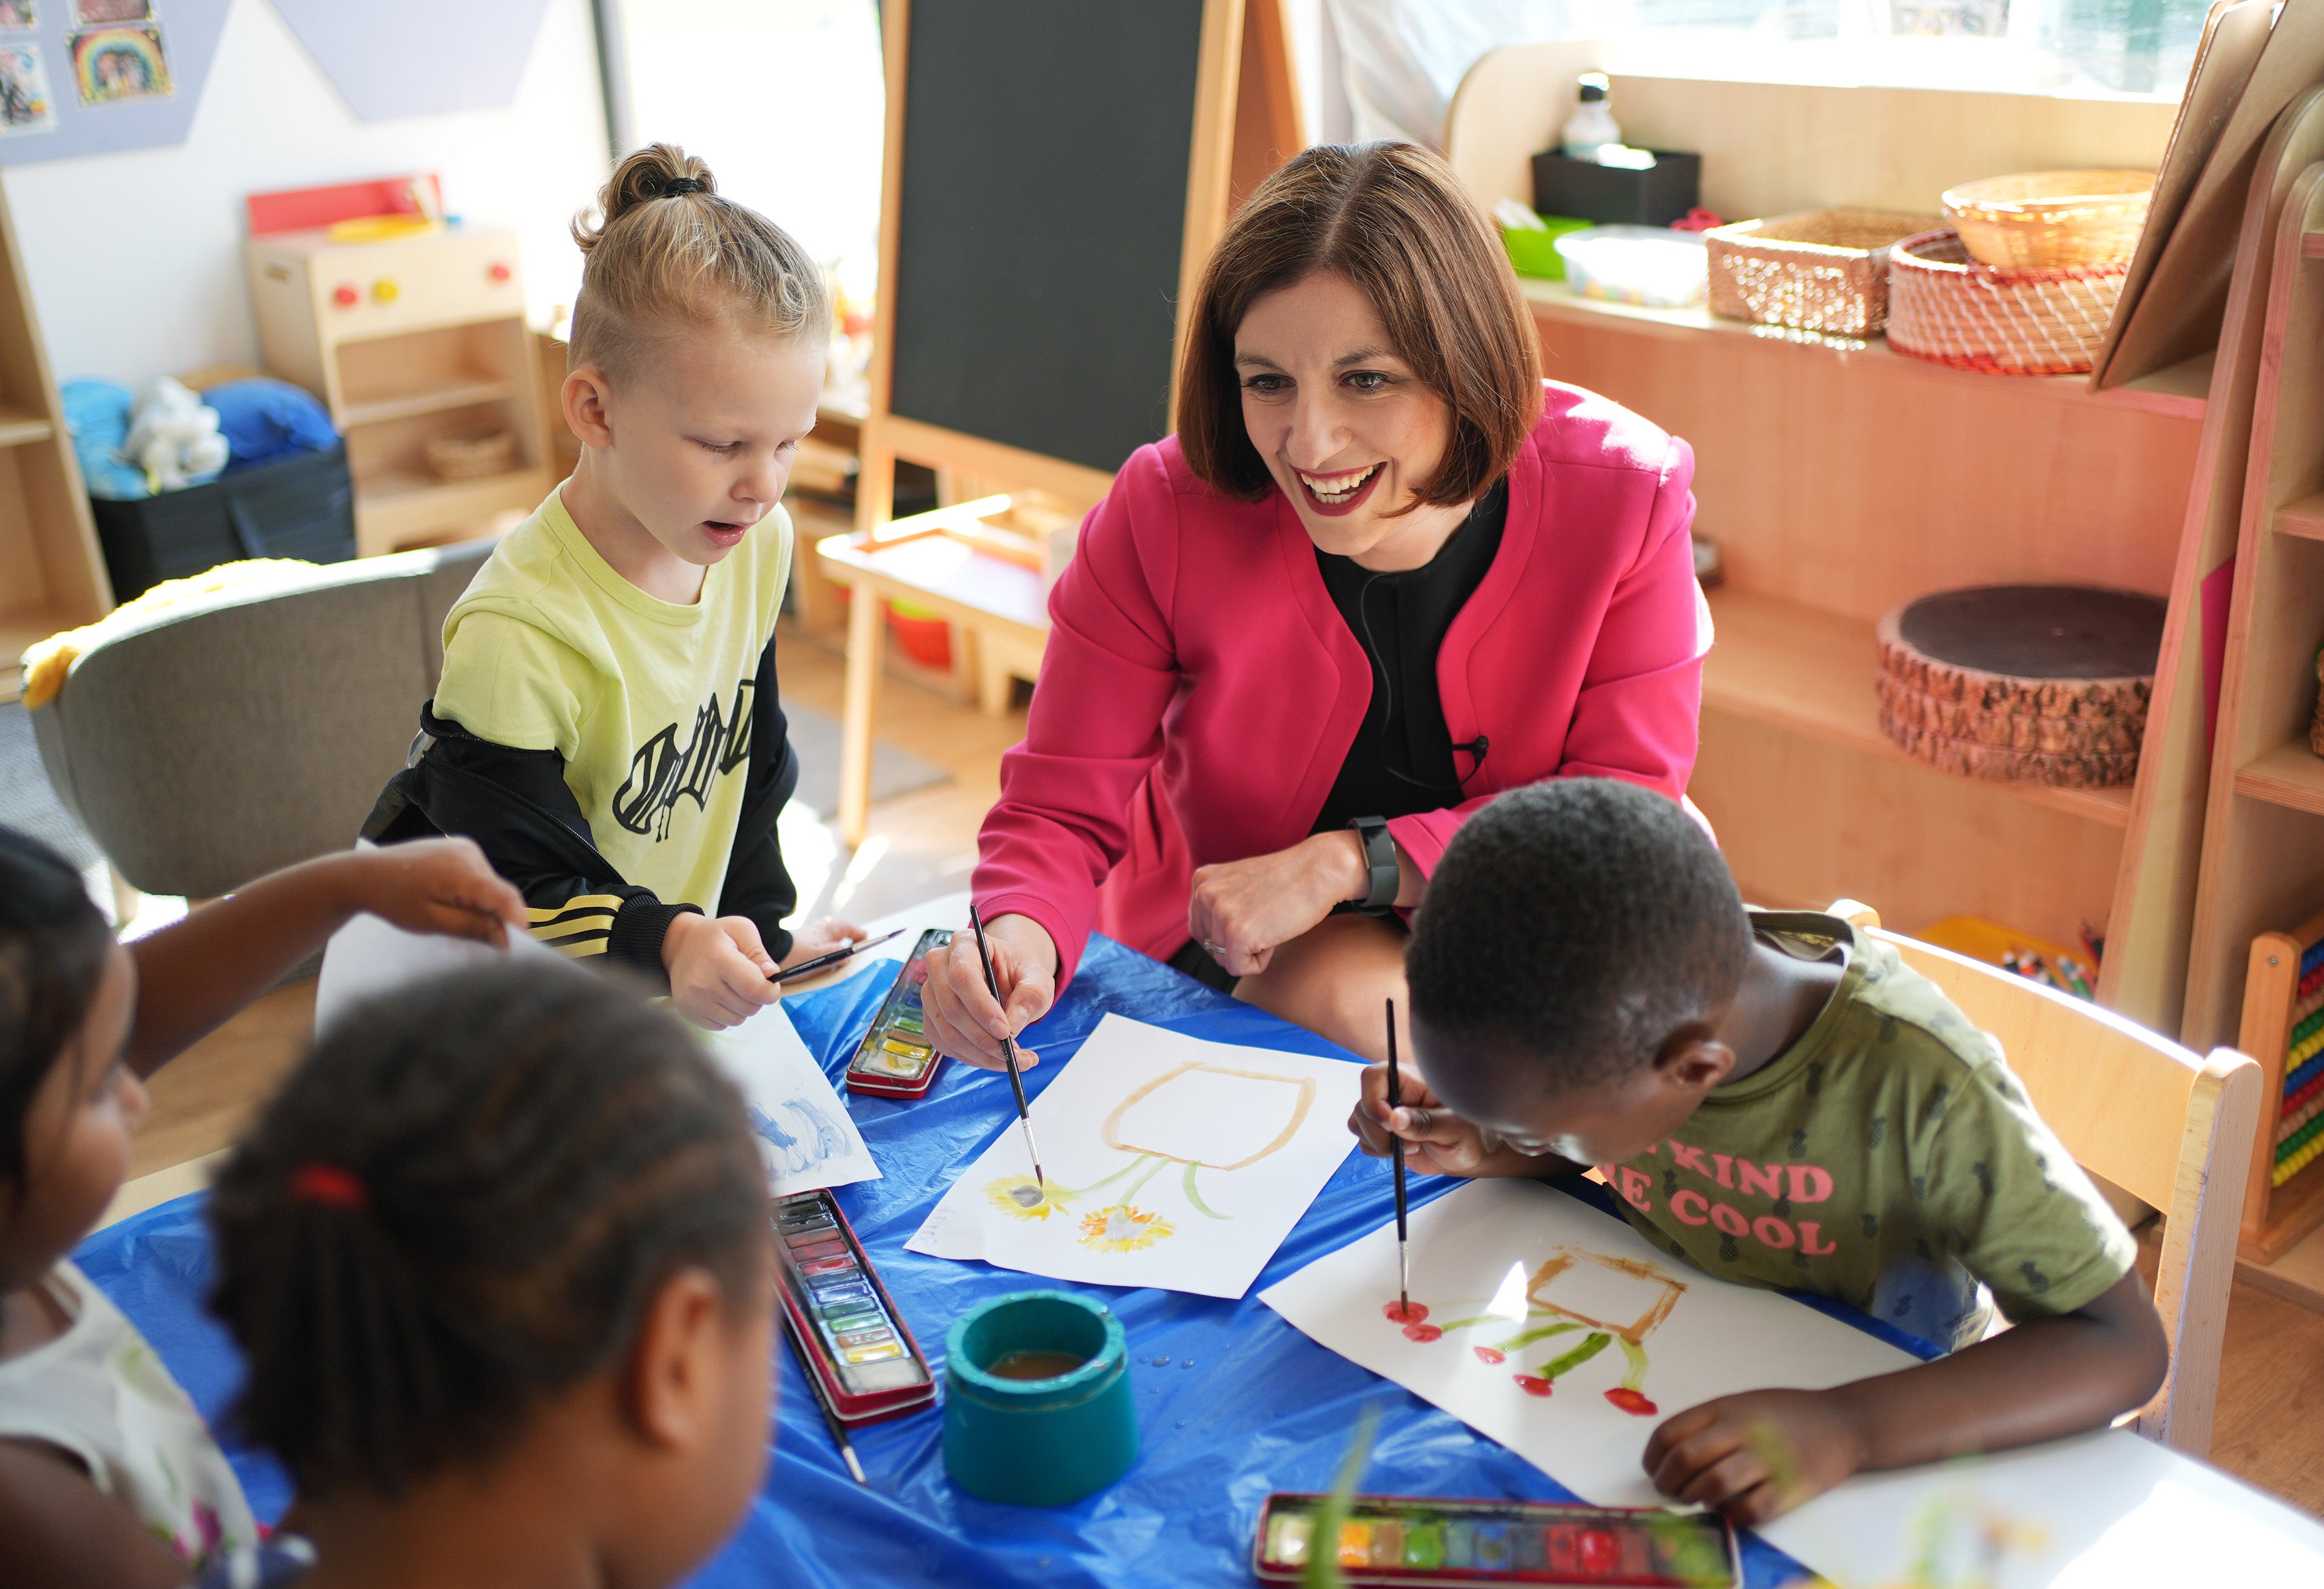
[656,256]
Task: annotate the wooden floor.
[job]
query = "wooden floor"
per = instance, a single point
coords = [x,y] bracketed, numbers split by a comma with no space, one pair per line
[923,845]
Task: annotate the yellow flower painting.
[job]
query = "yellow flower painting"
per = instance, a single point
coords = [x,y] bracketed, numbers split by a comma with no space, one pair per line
[1123,1229]
[1020,1197]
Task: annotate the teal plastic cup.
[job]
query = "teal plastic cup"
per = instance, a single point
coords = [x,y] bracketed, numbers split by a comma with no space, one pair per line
[1045,1441]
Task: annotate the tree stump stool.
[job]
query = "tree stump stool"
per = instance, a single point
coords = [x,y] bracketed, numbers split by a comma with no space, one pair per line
[2035,683]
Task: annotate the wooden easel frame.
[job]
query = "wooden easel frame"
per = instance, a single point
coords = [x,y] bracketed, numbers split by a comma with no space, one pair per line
[1246,123]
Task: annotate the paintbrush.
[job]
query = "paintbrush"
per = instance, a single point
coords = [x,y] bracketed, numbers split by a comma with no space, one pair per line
[825,962]
[830,1413]
[1396,1151]
[1009,1052]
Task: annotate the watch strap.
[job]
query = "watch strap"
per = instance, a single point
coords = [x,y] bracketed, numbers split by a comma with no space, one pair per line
[1379,858]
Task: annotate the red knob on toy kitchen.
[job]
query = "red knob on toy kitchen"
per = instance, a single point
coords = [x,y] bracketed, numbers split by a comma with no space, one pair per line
[344,295]
[499,271]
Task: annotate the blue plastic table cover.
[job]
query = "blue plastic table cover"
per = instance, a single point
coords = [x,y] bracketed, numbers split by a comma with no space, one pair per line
[1233,1402]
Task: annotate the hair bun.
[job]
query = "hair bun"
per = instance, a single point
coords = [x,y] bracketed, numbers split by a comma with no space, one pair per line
[659,170]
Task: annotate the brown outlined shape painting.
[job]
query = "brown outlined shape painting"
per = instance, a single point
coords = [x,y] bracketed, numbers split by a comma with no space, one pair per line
[1635,1330]
[1110,1132]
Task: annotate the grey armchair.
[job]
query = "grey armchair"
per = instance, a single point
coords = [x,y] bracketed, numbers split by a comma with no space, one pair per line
[222,741]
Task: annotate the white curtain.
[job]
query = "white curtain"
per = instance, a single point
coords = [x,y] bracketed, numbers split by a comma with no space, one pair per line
[1402,58]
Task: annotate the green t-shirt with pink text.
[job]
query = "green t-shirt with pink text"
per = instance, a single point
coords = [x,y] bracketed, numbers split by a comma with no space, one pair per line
[1889,1159]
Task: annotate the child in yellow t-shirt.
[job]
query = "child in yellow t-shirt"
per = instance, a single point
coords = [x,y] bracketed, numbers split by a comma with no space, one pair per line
[1780,1101]
[607,726]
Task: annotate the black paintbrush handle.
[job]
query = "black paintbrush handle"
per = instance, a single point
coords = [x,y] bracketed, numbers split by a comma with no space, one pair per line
[1395,1101]
[992,986]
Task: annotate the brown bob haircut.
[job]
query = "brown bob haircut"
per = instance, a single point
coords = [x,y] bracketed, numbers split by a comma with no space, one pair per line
[1395,220]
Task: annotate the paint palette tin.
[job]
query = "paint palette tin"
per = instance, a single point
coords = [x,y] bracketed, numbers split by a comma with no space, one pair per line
[857,1342]
[895,1060]
[1422,1540]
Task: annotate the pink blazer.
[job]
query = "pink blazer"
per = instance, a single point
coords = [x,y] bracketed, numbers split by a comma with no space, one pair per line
[1200,690]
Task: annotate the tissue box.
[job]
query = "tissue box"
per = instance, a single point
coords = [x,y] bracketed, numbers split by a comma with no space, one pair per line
[1612,196]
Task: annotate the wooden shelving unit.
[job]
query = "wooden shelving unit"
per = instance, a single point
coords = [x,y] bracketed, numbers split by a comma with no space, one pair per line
[1841,479]
[51,572]
[2263,854]
[404,340]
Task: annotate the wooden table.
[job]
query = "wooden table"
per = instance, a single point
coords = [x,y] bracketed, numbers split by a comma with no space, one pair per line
[997,600]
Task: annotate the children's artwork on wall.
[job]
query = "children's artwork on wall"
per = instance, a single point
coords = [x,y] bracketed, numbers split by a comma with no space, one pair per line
[806,1134]
[117,63]
[1171,1162]
[124,74]
[24,103]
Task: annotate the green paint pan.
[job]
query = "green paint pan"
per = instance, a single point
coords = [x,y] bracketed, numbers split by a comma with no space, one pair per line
[1037,1405]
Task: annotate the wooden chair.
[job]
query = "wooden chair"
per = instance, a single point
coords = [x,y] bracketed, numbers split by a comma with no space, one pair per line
[2164,1124]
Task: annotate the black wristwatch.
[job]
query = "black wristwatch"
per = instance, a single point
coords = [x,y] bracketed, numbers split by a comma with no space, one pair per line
[1380,855]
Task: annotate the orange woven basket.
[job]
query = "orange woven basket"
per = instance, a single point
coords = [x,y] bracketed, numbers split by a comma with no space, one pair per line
[1820,270]
[2052,217]
[1945,306]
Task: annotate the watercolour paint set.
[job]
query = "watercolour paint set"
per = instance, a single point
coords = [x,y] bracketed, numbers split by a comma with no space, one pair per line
[855,1341]
[895,1060]
[1422,1540]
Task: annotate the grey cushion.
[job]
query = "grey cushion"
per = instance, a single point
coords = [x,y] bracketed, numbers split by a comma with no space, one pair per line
[222,741]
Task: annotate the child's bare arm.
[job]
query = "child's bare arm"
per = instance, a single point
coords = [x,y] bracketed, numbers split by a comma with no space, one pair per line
[59,1531]
[1757,1455]
[196,973]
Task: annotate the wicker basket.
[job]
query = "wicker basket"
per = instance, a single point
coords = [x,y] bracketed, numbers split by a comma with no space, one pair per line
[1945,306]
[1819,270]
[471,457]
[2052,217]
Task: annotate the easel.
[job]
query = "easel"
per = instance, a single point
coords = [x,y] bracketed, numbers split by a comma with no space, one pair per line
[1246,122]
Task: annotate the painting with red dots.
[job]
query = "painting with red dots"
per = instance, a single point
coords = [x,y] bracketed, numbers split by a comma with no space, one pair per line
[1558,1331]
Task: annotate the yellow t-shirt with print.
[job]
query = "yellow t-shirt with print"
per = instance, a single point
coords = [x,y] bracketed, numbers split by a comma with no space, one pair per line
[649,703]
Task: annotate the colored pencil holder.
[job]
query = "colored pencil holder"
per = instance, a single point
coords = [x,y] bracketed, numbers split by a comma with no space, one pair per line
[1038,1442]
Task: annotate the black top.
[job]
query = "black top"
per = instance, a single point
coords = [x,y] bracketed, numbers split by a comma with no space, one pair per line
[1403,759]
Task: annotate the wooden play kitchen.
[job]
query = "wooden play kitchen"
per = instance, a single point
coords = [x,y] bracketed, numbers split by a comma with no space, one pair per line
[414,336]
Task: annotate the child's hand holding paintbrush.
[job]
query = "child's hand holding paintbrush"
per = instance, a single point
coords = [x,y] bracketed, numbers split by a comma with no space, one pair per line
[1436,1142]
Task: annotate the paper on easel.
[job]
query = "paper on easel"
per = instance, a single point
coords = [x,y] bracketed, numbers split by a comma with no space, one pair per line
[1172,1162]
[804,1132]
[1561,1333]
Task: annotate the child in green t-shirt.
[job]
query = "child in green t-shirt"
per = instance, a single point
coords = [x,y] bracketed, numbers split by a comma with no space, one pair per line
[608,725]
[1780,1101]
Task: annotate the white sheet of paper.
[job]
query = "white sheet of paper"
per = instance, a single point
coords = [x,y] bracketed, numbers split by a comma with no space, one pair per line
[1172,1162]
[806,1134]
[369,956]
[1499,1259]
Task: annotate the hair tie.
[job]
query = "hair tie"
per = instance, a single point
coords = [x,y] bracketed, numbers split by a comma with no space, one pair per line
[677,185]
[330,1185]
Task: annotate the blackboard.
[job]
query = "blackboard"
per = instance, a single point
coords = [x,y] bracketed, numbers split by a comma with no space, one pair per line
[1040,220]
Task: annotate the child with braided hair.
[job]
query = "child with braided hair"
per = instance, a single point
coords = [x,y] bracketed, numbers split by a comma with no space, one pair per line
[108,1475]
[499,1260]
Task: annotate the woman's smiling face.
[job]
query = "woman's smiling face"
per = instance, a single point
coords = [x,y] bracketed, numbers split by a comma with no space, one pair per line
[1345,427]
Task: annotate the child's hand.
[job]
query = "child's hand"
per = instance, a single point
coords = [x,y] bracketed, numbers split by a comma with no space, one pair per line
[820,938]
[1757,1455]
[1437,1141]
[439,885]
[718,969]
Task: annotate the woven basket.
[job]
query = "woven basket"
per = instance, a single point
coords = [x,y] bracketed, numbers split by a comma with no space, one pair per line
[1819,270]
[471,457]
[2052,217]
[1945,306]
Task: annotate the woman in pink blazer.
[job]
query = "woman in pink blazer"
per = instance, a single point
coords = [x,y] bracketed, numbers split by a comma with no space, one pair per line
[1382,572]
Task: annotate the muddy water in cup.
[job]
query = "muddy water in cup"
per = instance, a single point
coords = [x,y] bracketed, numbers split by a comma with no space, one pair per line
[1034,1365]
